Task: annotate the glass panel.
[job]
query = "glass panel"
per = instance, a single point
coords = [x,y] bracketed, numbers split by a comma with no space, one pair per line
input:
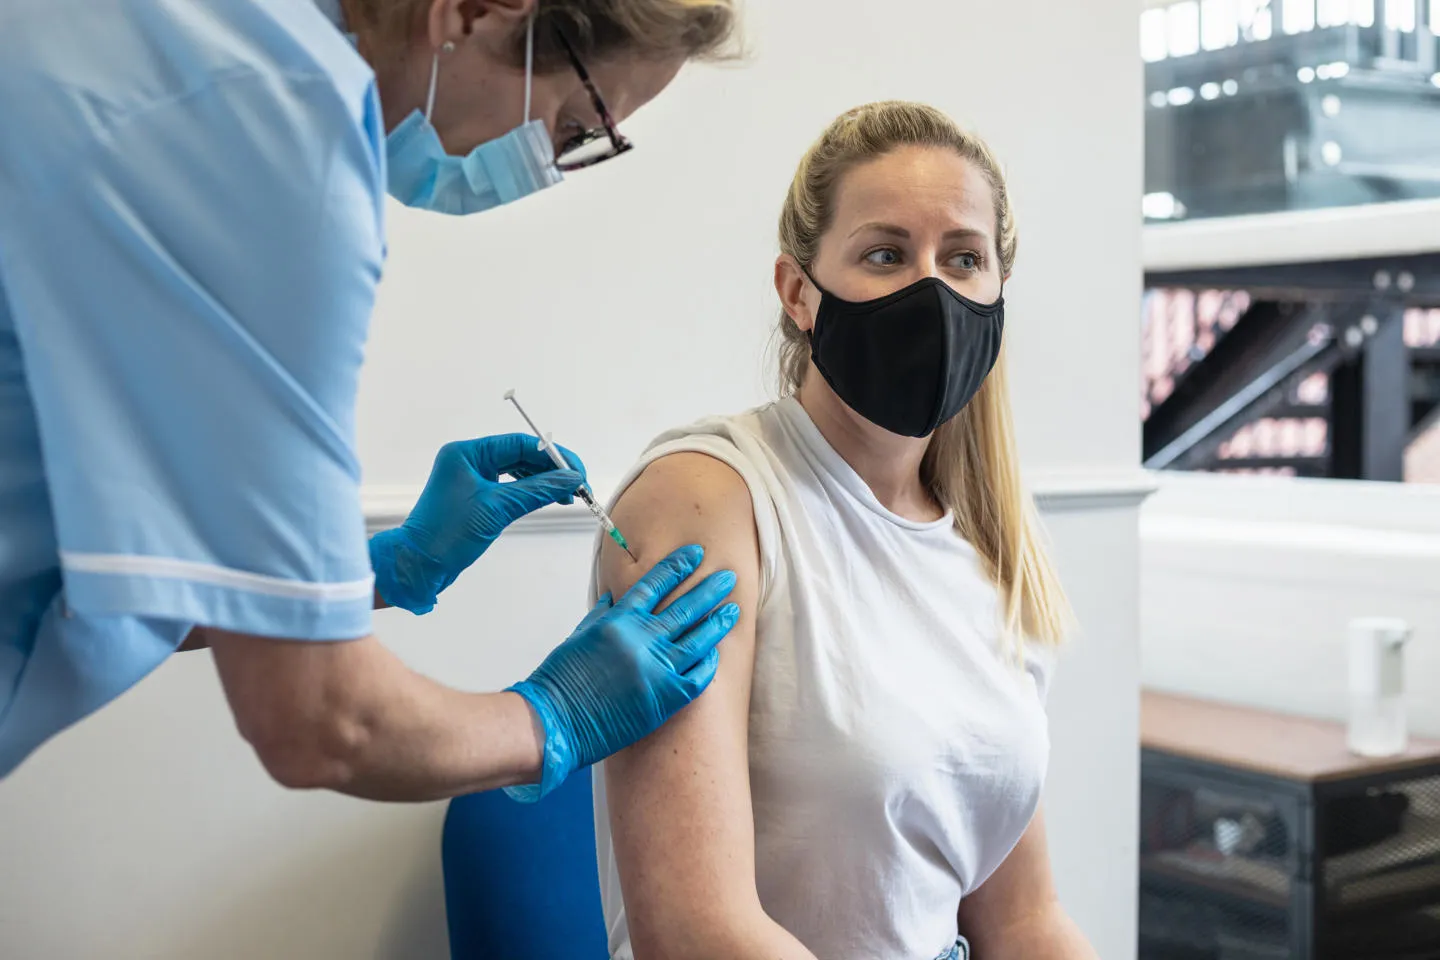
[1299,15]
[1333,13]
[1220,24]
[1154,35]
[1256,106]
[1256,19]
[1184,29]
[1400,15]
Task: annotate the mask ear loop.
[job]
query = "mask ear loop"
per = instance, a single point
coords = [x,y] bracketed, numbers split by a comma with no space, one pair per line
[529,62]
[434,79]
[813,282]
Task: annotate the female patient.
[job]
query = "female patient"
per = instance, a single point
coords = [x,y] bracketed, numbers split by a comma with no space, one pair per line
[862,780]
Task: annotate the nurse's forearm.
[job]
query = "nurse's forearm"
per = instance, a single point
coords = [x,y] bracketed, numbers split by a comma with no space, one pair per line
[351,717]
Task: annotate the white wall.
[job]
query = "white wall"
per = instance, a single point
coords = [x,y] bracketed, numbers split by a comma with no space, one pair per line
[1091,802]
[149,832]
[1248,584]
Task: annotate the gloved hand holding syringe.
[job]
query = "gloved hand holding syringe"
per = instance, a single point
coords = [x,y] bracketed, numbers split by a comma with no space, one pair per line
[584,493]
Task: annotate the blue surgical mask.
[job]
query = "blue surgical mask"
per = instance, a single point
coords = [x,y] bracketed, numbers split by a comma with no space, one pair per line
[421,174]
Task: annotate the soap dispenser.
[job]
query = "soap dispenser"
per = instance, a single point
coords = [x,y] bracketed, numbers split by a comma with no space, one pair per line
[1377,686]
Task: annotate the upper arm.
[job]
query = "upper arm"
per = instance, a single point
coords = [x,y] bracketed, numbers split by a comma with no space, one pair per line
[1022,889]
[679,801]
[192,288]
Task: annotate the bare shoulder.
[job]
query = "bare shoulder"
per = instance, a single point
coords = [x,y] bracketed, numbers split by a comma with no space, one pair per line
[688,483]
[680,499]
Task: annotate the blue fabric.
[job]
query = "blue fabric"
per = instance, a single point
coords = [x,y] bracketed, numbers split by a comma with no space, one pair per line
[190,239]
[521,880]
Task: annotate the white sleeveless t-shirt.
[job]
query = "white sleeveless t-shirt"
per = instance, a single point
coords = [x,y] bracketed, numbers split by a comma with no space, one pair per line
[897,753]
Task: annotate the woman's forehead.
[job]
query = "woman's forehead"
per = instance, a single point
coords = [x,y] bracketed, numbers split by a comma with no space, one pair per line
[928,185]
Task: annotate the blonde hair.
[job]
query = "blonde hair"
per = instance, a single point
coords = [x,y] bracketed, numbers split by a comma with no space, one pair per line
[971,467]
[597,29]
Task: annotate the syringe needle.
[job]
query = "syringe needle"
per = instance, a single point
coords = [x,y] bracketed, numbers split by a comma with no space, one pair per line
[625,546]
[584,492]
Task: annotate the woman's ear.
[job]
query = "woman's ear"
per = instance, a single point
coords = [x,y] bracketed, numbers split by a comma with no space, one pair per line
[451,21]
[798,295]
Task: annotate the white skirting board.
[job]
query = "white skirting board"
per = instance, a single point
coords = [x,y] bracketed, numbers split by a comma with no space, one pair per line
[1055,491]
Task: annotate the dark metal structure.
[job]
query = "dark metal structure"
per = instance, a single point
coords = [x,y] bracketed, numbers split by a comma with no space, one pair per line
[1343,319]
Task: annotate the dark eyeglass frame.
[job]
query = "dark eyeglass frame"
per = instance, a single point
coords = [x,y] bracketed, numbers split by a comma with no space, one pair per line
[618,142]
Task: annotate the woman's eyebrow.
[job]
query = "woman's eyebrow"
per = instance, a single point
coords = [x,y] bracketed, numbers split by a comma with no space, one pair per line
[878,227]
[959,233]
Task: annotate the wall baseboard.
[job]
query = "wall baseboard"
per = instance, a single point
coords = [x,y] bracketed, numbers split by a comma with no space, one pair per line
[1074,489]
[1055,491]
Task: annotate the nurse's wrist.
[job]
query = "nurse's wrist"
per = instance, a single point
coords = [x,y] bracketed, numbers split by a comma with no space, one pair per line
[553,757]
[404,576]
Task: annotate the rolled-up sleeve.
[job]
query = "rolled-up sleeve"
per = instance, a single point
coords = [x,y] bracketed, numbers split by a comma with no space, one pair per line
[192,300]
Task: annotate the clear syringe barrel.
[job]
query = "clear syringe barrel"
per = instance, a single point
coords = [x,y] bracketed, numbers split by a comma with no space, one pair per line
[557,458]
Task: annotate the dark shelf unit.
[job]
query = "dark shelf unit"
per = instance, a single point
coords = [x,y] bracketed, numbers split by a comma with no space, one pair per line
[1301,813]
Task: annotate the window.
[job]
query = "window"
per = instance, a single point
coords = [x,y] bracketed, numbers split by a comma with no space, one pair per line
[1256,106]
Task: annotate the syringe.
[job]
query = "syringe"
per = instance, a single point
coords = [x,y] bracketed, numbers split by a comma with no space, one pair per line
[584,493]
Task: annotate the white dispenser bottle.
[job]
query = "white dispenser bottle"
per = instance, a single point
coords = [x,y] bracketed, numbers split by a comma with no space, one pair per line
[1377,686]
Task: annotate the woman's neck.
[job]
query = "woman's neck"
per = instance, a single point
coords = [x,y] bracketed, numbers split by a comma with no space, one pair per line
[888,463]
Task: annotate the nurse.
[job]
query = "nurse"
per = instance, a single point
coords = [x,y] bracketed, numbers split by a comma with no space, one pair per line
[191,234]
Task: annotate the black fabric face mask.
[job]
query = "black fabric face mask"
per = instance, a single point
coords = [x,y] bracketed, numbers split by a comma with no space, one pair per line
[910,361]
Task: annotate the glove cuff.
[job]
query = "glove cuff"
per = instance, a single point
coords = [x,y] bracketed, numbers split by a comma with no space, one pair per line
[404,576]
[559,759]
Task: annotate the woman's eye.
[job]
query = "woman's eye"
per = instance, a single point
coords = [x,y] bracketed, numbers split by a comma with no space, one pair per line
[883,257]
[969,262]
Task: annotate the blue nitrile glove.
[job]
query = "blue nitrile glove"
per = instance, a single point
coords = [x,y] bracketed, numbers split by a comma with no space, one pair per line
[627,669]
[463,508]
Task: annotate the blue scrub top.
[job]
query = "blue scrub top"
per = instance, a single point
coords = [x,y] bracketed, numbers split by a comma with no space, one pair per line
[191,234]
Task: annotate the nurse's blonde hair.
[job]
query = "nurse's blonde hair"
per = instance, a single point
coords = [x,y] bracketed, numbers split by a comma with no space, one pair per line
[598,30]
[971,467]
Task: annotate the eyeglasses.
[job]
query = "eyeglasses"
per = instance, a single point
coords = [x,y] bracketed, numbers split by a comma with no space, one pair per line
[591,146]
